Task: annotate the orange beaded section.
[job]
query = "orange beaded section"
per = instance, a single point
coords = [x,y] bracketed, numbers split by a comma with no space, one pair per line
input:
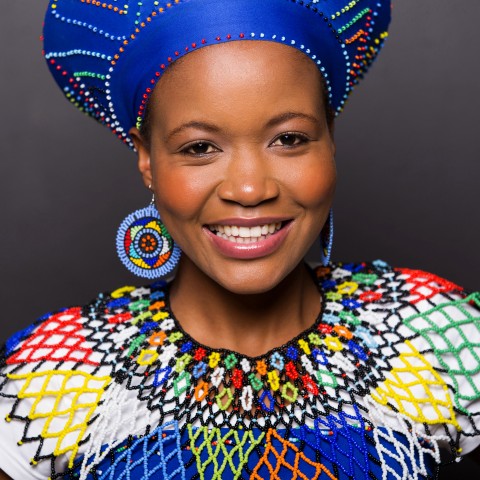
[141,25]
[276,462]
[355,37]
[105,5]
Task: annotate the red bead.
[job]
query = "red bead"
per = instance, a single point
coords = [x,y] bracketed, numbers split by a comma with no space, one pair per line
[324,328]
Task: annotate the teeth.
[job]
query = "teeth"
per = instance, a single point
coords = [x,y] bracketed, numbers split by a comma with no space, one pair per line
[244,232]
[237,234]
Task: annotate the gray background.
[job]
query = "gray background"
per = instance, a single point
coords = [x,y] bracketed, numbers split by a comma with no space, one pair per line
[408,161]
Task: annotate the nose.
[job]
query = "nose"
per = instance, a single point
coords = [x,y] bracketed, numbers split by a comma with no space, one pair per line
[249,180]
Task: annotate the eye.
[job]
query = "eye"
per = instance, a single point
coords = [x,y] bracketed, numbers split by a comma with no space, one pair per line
[289,139]
[199,148]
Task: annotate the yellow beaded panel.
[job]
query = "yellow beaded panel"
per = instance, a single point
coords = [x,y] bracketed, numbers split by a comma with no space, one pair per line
[75,397]
[414,388]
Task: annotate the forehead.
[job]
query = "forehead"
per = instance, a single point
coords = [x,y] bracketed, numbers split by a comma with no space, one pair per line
[254,48]
[259,64]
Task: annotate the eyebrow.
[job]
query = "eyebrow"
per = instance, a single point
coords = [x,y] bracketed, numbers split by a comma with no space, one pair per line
[283,117]
[208,127]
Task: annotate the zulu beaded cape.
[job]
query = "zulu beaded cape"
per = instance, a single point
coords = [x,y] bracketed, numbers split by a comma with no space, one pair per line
[108,56]
[386,376]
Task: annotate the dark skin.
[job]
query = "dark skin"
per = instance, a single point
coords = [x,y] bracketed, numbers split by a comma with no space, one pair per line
[230,143]
[233,163]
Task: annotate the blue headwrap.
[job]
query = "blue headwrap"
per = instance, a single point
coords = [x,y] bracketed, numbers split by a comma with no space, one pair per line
[108,56]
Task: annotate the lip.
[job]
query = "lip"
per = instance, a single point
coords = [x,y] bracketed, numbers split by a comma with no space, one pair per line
[249,251]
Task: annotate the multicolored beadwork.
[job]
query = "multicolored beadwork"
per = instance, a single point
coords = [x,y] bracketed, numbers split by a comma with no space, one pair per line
[144,245]
[108,57]
[388,373]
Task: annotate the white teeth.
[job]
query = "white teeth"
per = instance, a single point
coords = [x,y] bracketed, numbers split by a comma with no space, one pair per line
[244,232]
[234,233]
[256,232]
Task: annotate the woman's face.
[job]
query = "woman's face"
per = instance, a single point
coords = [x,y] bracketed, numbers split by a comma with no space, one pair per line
[241,160]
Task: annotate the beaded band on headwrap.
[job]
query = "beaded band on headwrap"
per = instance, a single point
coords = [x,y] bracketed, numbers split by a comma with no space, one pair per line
[108,56]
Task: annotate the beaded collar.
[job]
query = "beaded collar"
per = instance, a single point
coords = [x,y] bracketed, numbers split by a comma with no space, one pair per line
[254,389]
[375,365]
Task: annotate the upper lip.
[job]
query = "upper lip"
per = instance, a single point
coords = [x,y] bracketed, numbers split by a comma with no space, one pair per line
[249,222]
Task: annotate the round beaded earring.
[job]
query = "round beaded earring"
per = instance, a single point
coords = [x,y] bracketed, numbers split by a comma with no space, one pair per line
[144,245]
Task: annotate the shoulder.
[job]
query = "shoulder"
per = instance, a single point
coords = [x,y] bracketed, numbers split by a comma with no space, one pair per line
[63,335]
[377,282]
[54,375]
[426,331]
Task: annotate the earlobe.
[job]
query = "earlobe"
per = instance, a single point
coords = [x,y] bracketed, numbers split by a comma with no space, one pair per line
[143,156]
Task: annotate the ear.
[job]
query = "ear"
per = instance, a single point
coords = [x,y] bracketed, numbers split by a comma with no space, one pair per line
[143,156]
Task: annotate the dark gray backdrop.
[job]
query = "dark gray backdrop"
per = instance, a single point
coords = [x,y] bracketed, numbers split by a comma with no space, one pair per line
[408,161]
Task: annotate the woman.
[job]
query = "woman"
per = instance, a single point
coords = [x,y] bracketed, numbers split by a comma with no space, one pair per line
[249,364]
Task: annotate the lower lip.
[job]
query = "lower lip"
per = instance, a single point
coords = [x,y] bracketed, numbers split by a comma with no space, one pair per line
[249,251]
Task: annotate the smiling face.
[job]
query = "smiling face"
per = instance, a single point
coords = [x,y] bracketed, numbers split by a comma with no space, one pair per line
[241,160]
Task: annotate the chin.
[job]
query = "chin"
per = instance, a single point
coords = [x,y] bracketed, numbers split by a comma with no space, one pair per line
[251,279]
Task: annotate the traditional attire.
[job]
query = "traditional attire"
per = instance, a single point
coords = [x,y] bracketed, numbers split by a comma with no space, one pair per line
[386,377]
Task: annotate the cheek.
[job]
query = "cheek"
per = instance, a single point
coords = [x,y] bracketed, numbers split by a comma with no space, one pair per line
[315,184]
[180,193]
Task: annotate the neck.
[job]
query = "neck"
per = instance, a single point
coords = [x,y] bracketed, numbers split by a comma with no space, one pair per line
[248,324]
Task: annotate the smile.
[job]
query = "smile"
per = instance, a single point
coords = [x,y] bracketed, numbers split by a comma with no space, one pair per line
[245,240]
[241,234]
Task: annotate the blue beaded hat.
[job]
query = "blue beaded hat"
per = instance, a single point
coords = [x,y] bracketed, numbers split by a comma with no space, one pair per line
[107,56]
